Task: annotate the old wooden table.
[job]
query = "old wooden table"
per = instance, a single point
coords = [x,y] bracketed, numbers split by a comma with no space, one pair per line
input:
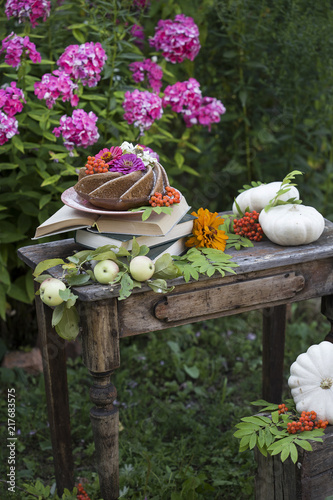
[268,278]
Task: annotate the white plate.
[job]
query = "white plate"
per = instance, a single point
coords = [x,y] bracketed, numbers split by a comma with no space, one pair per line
[73,200]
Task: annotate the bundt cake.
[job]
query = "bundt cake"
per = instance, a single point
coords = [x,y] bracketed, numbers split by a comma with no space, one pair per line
[115,189]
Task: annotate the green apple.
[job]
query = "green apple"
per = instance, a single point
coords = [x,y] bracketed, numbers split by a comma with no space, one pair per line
[142,268]
[49,291]
[105,271]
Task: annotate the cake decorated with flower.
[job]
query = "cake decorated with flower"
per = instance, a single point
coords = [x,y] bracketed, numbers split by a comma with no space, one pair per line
[123,177]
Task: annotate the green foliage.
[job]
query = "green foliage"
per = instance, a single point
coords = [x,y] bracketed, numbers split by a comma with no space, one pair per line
[175,391]
[270,435]
[205,261]
[285,187]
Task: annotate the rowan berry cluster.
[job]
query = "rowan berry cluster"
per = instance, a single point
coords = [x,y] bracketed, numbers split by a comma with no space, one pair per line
[82,494]
[282,409]
[307,422]
[96,166]
[249,226]
[158,200]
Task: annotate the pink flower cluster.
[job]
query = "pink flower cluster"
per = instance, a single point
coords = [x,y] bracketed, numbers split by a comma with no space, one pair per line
[54,85]
[150,69]
[139,35]
[183,95]
[83,62]
[8,128]
[31,9]
[142,109]
[11,99]
[78,130]
[14,46]
[178,39]
[186,98]
[207,113]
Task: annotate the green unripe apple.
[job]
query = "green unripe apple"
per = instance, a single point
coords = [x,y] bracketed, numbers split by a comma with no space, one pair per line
[49,291]
[142,268]
[105,271]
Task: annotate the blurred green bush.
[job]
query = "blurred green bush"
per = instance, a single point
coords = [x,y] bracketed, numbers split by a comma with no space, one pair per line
[270,63]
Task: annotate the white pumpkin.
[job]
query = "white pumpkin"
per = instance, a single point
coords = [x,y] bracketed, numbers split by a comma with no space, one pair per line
[258,197]
[290,225]
[311,381]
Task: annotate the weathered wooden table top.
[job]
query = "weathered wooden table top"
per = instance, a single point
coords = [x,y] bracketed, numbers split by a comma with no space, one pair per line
[268,275]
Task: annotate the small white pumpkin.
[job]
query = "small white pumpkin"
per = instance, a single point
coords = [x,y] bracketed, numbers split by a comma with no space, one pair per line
[291,225]
[311,381]
[258,197]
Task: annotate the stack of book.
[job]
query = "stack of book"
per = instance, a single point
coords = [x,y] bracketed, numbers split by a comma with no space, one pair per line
[162,233]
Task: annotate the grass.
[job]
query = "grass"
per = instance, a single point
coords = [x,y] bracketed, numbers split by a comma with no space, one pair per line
[180,393]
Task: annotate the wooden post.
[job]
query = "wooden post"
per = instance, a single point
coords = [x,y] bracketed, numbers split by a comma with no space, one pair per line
[327,310]
[55,375]
[311,478]
[274,328]
[100,343]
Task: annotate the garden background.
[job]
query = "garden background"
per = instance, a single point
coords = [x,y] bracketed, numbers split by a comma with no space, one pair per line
[271,65]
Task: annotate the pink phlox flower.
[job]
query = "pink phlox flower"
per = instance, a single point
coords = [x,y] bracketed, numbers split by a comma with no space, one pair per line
[178,39]
[28,9]
[84,62]
[142,109]
[150,69]
[127,163]
[209,111]
[8,127]
[183,96]
[110,155]
[54,85]
[138,34]
[79,129]
[11,99]
[14,45]
[141,4]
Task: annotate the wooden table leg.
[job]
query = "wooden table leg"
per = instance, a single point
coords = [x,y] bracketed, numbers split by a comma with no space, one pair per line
[55,375]
[100,343]
[274,328]
[327,310]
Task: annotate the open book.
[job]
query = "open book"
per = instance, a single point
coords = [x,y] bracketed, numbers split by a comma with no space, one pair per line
[69,219]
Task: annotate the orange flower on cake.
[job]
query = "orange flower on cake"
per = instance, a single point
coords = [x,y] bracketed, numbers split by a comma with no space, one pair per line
[206,232]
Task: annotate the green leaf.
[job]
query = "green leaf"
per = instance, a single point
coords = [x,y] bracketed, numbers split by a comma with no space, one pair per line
[68,326]
[253,440]
[57,314]
[293,453]
[285,453]
[192,371]
[159,286]
[46,264]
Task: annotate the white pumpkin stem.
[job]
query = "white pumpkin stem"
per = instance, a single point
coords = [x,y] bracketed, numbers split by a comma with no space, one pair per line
[326,383]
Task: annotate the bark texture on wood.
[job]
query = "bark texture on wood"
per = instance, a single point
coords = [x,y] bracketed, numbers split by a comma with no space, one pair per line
[55,375]
[100,342]
[311,478]
[327,310]
[274,327]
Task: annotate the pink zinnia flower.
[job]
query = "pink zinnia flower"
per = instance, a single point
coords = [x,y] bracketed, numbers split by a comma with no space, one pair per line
[28,9]
[128,163]
[78,130]
[11,99]
[15,45]
[142,109]
[110,155]
[178,39]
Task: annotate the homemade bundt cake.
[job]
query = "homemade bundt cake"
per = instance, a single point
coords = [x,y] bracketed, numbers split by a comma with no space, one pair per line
[114,189]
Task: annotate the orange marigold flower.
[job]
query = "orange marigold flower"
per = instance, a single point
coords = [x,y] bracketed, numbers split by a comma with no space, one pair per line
[206,232]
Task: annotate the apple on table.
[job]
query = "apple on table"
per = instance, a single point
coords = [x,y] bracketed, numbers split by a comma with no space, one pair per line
[105,271]
[142,268]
